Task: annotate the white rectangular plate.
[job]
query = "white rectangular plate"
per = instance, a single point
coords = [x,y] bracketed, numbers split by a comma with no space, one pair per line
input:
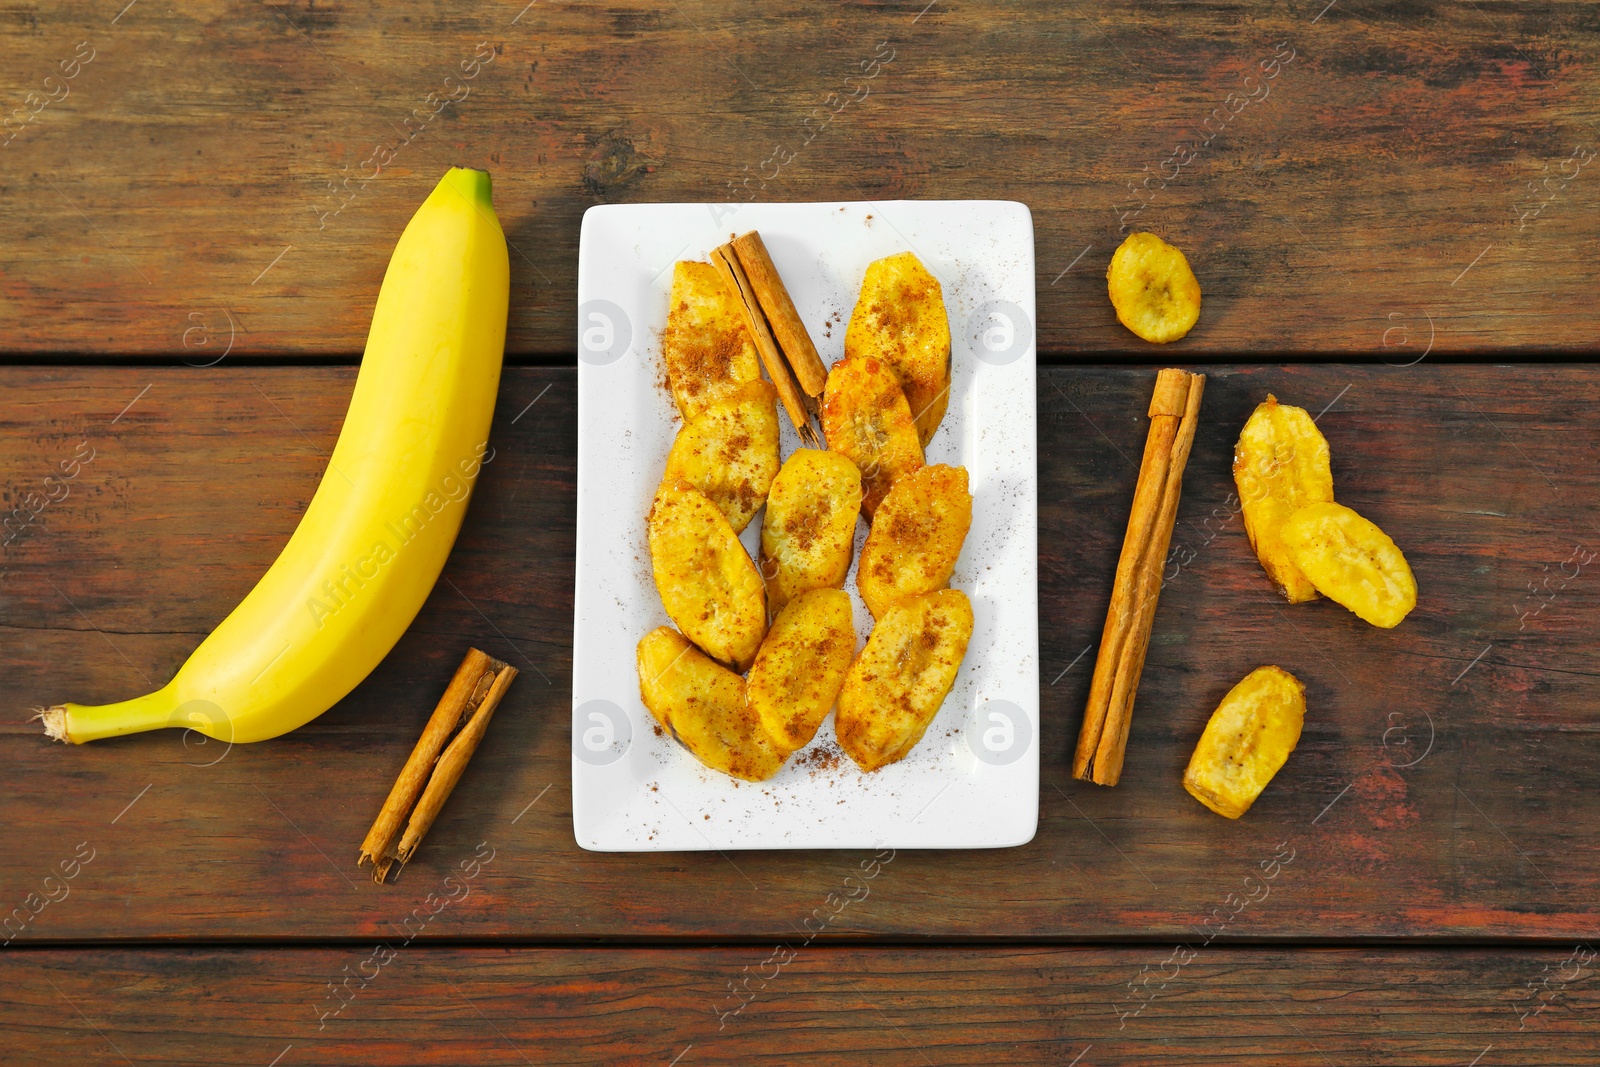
[973,781]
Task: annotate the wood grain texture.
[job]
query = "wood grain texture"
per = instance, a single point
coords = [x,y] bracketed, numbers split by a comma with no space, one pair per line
[1446,784]
[212,179]
[827,1005]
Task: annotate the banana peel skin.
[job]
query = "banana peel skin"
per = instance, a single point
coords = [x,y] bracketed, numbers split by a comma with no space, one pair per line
[376,534]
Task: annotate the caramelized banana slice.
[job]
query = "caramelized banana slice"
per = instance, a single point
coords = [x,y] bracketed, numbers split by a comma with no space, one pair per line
[1351,562]
[900,319]
[810,526]
[801,666]
[702,704]
[1153,289]
[1279,466]
[894,688]
[705,345]
[865,417]
[916,537]
[707,582]
[729,451]
[1249,737]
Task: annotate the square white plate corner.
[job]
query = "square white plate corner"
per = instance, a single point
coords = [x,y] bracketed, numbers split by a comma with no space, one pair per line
[973,780]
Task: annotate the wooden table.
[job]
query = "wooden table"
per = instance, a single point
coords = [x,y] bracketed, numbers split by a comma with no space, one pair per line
[1396,230]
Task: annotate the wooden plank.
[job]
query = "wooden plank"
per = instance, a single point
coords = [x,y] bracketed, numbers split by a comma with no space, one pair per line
[213,176]
[362,1004]
[1445,785]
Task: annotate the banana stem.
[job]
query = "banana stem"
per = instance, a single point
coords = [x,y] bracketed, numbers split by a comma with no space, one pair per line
[472,183]
[78,723]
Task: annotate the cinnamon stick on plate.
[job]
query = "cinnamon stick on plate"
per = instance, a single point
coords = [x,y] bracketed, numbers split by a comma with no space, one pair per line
[768,310]
[1174,414]
[428,776]
[787,329]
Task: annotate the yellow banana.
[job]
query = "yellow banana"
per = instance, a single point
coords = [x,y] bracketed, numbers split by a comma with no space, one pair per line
[376,534]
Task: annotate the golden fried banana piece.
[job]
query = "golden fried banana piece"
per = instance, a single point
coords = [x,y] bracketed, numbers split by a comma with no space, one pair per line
[1351,562]
[1153,290]
[896,685]
[707,581]
[866,417]
[706,346]
[1249,737]
[801,665]
[702,704]
[729,451]
[916,537]
[900,319]
[1280,465]
[810,527]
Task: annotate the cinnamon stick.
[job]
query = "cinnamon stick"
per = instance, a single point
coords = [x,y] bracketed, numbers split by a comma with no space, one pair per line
[773,297]
[471,696]
[794,401]
[1174,416]
[453,764]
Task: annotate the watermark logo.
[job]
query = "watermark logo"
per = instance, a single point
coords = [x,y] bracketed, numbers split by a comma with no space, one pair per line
[204,334]
[1407,743]
[999,332]
[998,732]
[601,733]
[604,332]
[1404,335]
[204,722]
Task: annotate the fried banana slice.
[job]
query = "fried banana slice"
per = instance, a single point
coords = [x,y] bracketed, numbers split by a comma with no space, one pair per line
[707,582]
[916,537]
[729,451]
[706,346]
[894,688]
[702,704]
[1280,465]
[801,665]
[866,417]
[1154,291]
[900,319]
[1351,562]
[810,527]
[1249,737]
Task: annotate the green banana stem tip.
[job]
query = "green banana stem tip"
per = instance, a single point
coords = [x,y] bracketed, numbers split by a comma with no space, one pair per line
[471,183]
